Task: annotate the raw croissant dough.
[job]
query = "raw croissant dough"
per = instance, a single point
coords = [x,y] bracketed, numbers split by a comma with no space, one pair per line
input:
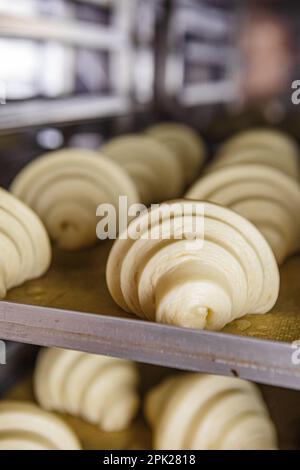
[182,280]
[265,196]
[274,158]
[152,166]
[209,412]
[66,187]
[262,146]
[260,183]
[25,251]
[185,143]
[99,389]
[24,426]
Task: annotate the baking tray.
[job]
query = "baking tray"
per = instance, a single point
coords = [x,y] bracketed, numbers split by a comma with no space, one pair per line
[70,307]
[138,436]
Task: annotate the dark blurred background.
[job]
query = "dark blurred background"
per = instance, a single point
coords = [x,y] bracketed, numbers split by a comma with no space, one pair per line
[74,72]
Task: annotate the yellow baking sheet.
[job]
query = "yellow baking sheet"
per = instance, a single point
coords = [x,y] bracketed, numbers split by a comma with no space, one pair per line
[283,405]
[137,436]
[76,281]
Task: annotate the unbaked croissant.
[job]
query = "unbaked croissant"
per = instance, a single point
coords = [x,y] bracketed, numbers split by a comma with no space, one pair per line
[24,426]
[265,196]
[185,143]
[99,389]
[209,412]
[25,251]
[152,166]
[192,264]
[261,146]
[66,187]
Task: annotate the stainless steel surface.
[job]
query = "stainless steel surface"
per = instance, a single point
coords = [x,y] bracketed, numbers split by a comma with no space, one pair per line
[254,359]
[96,75]
[71,110]
[74,33]
[209,93]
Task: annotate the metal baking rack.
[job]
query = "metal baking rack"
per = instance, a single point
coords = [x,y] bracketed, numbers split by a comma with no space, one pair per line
[70,306]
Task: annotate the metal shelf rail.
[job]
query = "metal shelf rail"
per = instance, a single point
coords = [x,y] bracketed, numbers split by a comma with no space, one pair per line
[263,361]
[70,307]
[99,328]
[115,39]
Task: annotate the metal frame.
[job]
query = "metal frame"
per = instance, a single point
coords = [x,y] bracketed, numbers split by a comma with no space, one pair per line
[59,111]
[75,33]
[116,39]
[190,17]
[268,362]
[251,358]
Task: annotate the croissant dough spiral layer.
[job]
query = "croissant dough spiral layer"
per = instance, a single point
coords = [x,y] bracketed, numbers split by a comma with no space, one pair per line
[152,166]
[274,158]
[209,412]
[185,143]
[25,251]
[24,426]
[65,188]
[168,269]
[99,389]
[262,146]
[265,196]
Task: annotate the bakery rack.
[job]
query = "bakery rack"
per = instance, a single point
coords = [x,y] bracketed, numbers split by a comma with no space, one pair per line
[184,54]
